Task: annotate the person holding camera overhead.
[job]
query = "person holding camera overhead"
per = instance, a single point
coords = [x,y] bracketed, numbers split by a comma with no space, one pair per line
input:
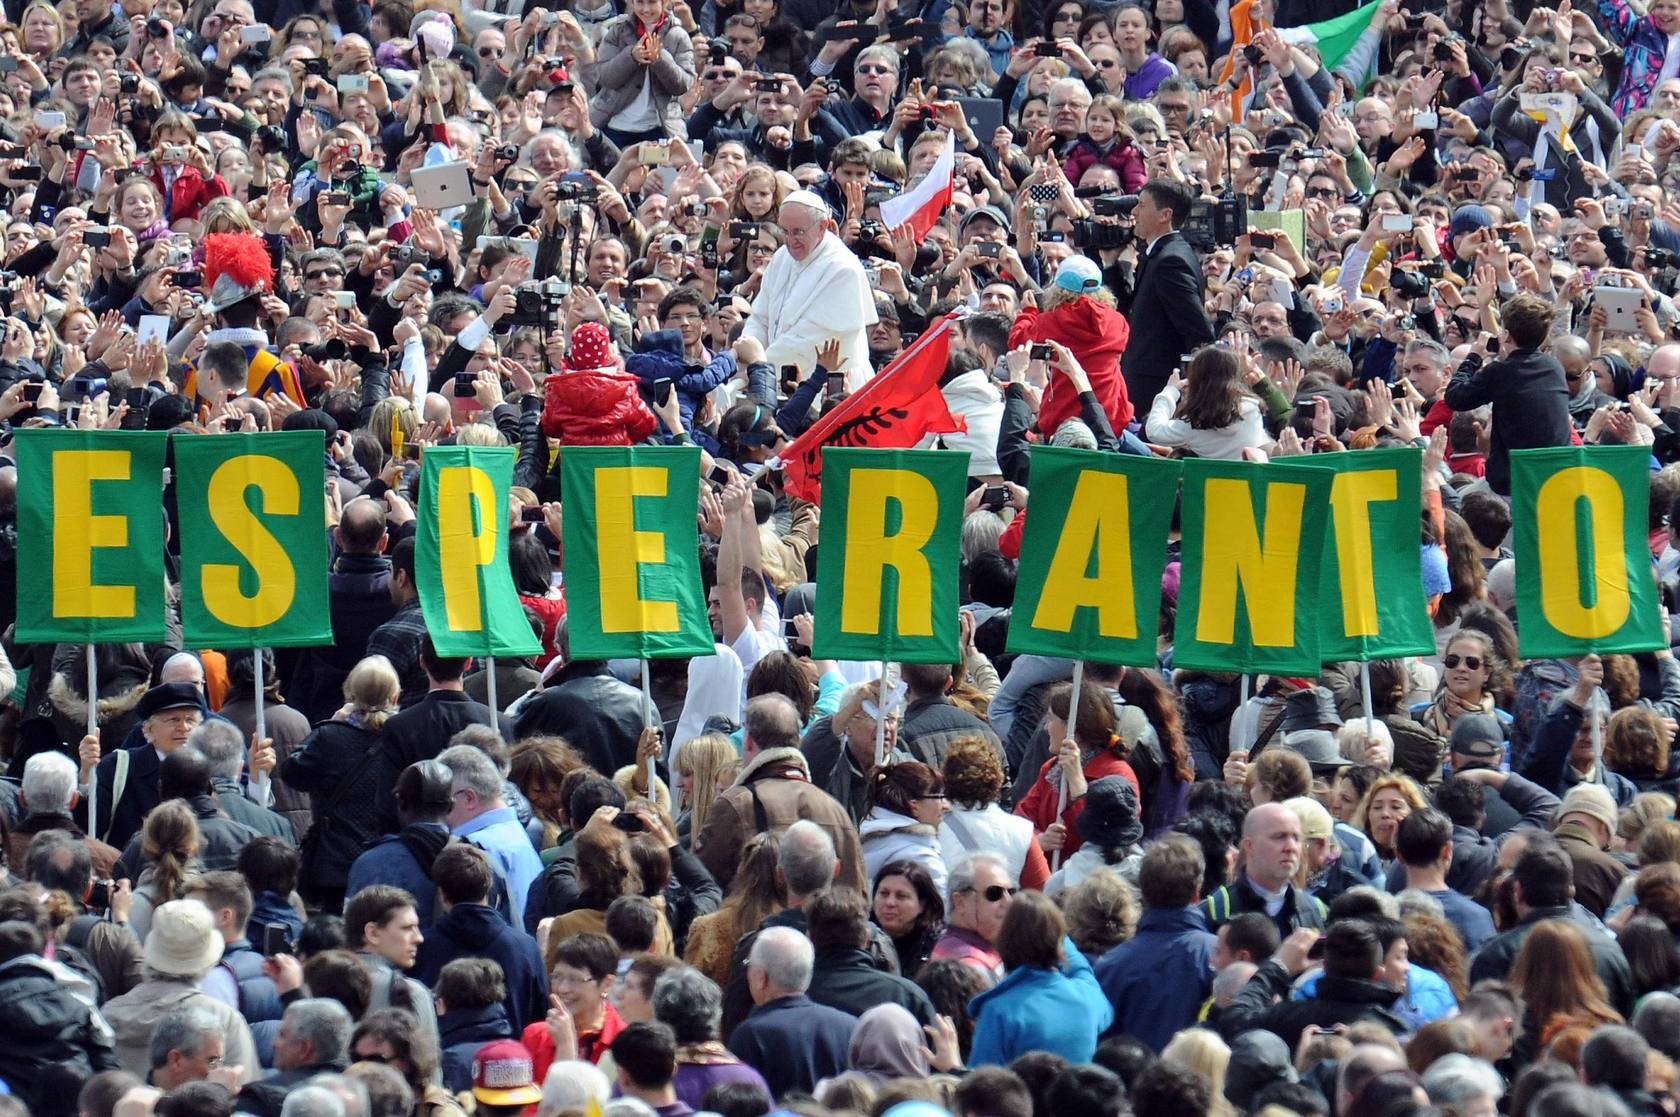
[1528,390]
[1168,316]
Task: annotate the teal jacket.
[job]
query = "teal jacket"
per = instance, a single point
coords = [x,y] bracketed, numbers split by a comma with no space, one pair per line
[1041,1010]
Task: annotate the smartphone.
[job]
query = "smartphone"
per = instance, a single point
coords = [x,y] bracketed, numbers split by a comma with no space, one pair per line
[25,174]
[718,476]
[274,940]
[1424,121]
[768,85]
[231,424]
[654,154]
[32,390]
[1046,50]
[1264,158]
[990,249]
[629,823]
[464,388]
[662,391]
[835,389]
[1041,352]
[335,197]
[1493,347]
[189,279]
[1262,240]
[352,83]
[1466,174]
[1397,223]
[530,514]
[47,121]
[256,33]
[743,230]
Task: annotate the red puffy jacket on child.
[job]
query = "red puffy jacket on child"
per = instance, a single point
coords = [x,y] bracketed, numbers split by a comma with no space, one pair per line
[593,402]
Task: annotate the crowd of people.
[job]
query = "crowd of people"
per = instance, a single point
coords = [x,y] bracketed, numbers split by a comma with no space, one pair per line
[1243,231]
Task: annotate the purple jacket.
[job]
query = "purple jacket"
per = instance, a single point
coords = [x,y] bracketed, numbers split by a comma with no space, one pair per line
[700,1066]
[1153,72]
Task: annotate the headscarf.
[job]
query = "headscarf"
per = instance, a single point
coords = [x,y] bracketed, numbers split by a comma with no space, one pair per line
[888,1043]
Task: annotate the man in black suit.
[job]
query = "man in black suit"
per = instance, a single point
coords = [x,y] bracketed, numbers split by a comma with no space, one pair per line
[1167,317]
[424,729]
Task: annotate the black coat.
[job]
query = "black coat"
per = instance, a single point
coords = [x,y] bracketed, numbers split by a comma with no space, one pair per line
[331,754]
[1498,954]
[421,732]
[1167,319]
[359,595]
[54,1040]
[1337,1000]
[266,1096]
[480,931]
[847,979]
[1530,399]
[599,716]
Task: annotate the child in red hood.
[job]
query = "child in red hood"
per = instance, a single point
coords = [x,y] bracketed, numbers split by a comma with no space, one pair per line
[1079,312]
[593,401]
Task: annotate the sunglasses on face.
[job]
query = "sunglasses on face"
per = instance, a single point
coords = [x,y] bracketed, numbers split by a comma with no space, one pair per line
[993,893]
[1473,662]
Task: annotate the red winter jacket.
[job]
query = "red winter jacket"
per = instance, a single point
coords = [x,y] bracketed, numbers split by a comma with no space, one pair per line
[1097,335]
[191,193]
[595,409]
[1124,157]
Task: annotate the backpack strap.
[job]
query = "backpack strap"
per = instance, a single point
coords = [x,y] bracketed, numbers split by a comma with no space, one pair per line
[962,834]
[80,929]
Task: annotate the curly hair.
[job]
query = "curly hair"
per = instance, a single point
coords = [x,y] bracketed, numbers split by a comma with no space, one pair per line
[1435,944]
[1636,742]
[1149,692]
[973,773]
[1101,911]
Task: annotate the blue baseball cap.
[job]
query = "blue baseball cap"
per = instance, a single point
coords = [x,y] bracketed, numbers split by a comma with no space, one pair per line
[1079,274]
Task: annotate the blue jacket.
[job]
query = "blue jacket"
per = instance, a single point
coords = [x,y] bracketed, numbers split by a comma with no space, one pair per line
[390,861]
[461,1032]
[794,1043]
[659,356]
[1157,980]
[258,997]
[479,931]
[1041,1010]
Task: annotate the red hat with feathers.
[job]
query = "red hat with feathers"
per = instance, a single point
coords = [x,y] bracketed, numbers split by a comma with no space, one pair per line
[237,267]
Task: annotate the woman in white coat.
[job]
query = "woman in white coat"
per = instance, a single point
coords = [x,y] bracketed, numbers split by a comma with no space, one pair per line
[973,781]
[1208,411]
[906,802]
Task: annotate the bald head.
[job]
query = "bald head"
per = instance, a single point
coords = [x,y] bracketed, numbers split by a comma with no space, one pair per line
[1664,363]
[1272,845]
[1364,1063]
[361,527]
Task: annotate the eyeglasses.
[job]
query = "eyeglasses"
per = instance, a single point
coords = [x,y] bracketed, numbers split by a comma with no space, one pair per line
[372,1057]
[993,893]
[324,273]
[872,68]
[1471,661]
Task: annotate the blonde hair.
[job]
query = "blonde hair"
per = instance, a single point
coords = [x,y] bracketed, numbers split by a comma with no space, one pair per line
[1055,296]
[371,688]
[479,434]
[379,422]
[1205,1054]
[225,215]
[706,759]
[1393,781]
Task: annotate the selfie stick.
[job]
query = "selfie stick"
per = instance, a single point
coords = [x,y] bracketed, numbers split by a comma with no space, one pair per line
[1072,727]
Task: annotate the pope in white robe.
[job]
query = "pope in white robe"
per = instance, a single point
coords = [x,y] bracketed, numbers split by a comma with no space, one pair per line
[813,289]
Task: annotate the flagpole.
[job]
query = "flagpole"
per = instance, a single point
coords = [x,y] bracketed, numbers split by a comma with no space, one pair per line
[93,731]
[881,713]
[490,692]
[260,787]
[1072,727]
[647,723]
[1365,693]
